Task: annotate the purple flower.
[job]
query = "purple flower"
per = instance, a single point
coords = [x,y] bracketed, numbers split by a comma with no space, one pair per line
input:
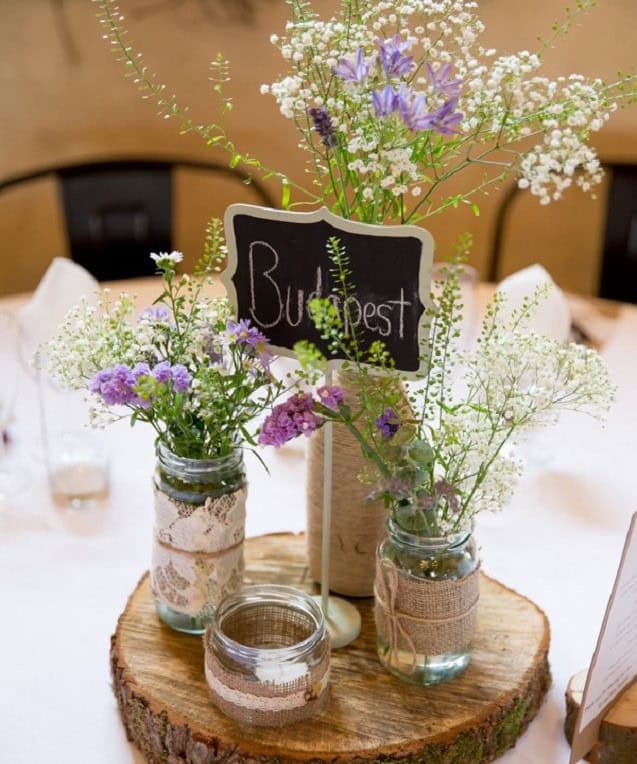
[322,123]
[115,385]
[162,372]
[244,333]
[288,420]
[95,385]
[441,83]
[444,120]
[181,378]
[413,110]
[385,101]
[330,396]
[388,423]
[353,69]
[159,313]
[141,370]
[391,56]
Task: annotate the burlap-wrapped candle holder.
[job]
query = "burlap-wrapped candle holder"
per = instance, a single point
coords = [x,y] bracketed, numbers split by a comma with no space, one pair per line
[267,656]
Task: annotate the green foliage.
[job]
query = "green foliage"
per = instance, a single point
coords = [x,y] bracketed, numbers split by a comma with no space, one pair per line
[213,133]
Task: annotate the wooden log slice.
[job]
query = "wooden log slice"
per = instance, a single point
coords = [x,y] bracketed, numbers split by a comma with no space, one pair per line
[370,716]
[617,743]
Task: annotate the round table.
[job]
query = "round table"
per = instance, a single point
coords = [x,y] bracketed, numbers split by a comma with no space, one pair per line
[65,574]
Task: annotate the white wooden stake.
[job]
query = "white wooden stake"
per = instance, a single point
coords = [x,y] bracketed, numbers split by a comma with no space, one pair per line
[327,504]
[342,618]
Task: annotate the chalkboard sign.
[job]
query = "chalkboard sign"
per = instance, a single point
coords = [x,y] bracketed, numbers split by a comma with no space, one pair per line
[278,262]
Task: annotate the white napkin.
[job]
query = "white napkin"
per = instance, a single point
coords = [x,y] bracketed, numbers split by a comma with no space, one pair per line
[61,287]
[553,318]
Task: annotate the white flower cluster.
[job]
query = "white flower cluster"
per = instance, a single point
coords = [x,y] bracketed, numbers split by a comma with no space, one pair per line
[550,167]
[525,380]
[465,443]
[503,101]
[513,381]
[95,337]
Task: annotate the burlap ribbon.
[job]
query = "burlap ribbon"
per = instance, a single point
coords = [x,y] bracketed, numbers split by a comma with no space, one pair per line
[421,616]
[267,692]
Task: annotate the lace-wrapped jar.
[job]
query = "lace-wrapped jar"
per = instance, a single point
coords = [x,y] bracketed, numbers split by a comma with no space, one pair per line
[267,656]
[198,536]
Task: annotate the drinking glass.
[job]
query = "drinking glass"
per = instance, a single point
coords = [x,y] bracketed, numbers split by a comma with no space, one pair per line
[13,477]
[78,469]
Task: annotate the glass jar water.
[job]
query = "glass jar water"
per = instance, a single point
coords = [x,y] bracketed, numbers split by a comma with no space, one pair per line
[419,615]
[198,536]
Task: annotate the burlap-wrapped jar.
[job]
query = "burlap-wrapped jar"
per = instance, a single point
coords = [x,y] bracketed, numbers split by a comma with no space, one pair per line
[427,591]
[198,536]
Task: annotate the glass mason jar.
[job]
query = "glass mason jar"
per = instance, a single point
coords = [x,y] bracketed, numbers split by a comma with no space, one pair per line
[267,656]
[426,604]
[198,536]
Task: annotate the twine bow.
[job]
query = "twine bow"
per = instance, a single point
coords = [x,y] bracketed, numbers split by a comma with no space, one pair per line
[386,593]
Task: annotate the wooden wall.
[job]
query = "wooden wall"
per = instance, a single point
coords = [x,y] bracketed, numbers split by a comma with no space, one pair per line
[64,99]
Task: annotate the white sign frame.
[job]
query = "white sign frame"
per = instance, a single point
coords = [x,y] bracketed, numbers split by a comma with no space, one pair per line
[348,226]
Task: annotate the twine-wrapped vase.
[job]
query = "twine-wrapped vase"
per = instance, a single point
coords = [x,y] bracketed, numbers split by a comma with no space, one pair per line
[357,524]
[267,656]
[198,536]
[427,592]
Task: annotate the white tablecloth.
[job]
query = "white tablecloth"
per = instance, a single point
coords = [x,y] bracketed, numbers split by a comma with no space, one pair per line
[65,575]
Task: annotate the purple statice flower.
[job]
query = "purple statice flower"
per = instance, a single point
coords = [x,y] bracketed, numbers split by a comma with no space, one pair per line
[445,120]
[394,63]
[290,419]
[162,372]
[322,123]
[181,378]
[441,83]
[156,313]
[385,101]
[331,396]
[141,370]
[101,378]
[115,385]
[353,69]
[388,423]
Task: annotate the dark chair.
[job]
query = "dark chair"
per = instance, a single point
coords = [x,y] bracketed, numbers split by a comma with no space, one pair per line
[118,211]
[619,249]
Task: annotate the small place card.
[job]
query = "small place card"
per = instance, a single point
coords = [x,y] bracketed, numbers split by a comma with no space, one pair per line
[614,664]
